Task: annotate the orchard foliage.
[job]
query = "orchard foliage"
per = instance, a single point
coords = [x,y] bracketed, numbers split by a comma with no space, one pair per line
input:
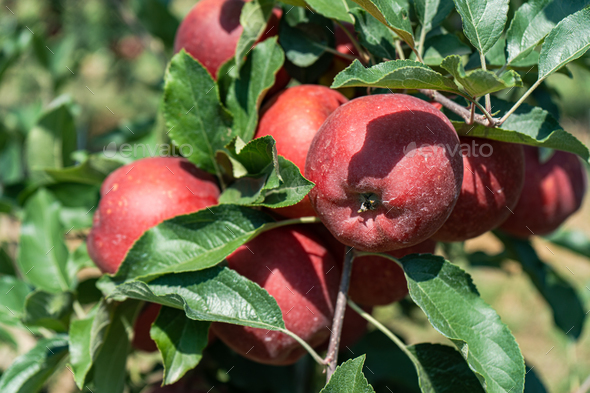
[455,52]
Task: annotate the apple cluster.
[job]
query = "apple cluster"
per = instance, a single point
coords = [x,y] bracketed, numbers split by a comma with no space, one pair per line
[375,190]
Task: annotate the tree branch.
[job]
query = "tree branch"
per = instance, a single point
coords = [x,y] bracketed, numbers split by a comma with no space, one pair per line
[332,356]
[460,110]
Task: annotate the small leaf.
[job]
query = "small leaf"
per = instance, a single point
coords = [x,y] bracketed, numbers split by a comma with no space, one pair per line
[306,37]
[238,300]
[432,12]
[193,112]
[396,74]
[253,18]
[86,337]
[91,171]
[245,94]
[193,242]
[479,82]
[48,310]
[180,340]
[50,143]
[483,21]
[568,311]
[332,9]
[42,253]
[442,369]
[29,372]
[13,293]
[108,369]
[569,40]
[454,308]
[528,125]
[533,21]
[392,15]
[349,378]
[373,34]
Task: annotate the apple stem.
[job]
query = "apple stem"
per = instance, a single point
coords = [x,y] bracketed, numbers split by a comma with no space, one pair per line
[332,356]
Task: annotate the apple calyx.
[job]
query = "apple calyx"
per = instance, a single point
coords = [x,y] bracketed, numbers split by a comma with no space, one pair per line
[369,201]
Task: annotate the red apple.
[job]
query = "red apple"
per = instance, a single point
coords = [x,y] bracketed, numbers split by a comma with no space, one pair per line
[292,118]
[493,177]
[295,267]
[142,327]
[141,195]
[384,171]
[553,191]
[211,30]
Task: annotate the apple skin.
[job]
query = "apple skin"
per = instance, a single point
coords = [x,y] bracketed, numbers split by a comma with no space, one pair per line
[392,149]
[292,117]
[491,188]
[296,268]
[552,192]
[211,30]
[139,196]
[142,327]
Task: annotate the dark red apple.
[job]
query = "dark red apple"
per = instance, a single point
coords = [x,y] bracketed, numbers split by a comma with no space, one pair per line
[384,171]
[295,267]
[553,191]
[493,177]
[292,117]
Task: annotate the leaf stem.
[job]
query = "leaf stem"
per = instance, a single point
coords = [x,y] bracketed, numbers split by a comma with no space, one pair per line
[422,39]
[332,356]
[354,41]
[519,102]
[383,329]
[299,220]
[78,309]
[399,50]
[305,345]
[482,58]
[335,52]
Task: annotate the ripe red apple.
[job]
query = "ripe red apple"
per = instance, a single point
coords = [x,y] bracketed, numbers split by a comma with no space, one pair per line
[384,171]
[295,267]
[139,196]
[376,281]
[142,326]
[211,30]
[292,117]
[553,191]
[493,177]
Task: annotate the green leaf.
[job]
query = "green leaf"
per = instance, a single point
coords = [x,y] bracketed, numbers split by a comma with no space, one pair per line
[238,300]
[48,310]
[575,241]
[6,264]
[392,15]
[50,143]
[533,21]
[193,112]
[396,74]
[305,37]
[528,125]
[78,260]
[349,378]
[181,342]
[86,337]
[28,372]
[483,21]
[43,255]
[193,241]
[108,369]
[432,12]
[454,308]
[373,34]
[6,338]
[333,9]
[245,94]
[440,46]
[443,369]
[11,161]
[13,293]
[479,82]
[156,18]
[12,48]
[569,40]
[92,171]
[568,311]
[263,178]
[254,18]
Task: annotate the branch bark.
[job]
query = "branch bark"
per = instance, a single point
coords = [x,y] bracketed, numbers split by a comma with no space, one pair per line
[460,110]
[332,356]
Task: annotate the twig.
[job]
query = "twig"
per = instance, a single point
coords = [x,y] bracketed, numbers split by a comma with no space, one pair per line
[519,102]
[332,356]
[472,114]
[454,107]
[305,345]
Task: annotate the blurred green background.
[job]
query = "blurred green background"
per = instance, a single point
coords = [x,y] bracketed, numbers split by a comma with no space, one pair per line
[110,58]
